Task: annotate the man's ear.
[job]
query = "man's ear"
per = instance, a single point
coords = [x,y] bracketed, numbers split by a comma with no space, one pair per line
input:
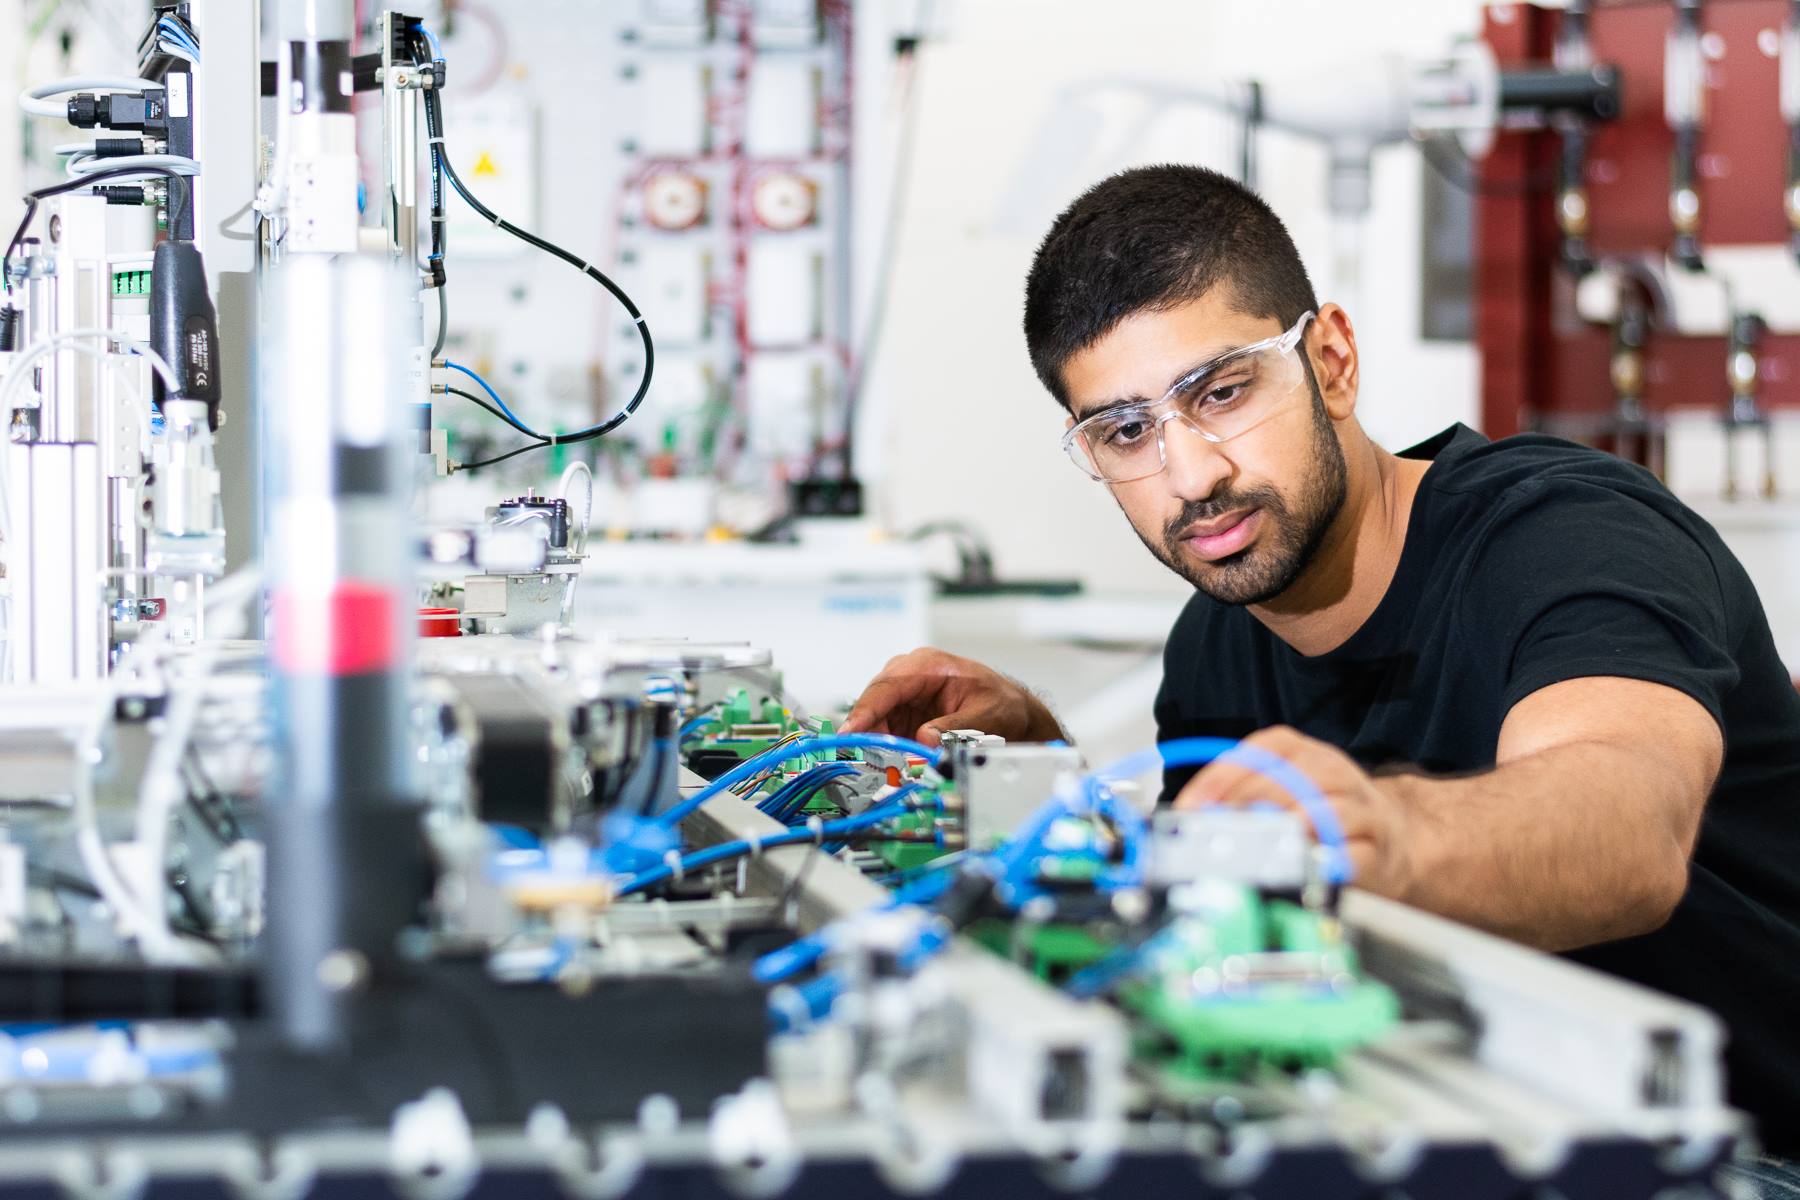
[1331,346]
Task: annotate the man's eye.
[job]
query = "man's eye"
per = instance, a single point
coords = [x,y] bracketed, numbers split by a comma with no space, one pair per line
[1223,394]
[1125,433]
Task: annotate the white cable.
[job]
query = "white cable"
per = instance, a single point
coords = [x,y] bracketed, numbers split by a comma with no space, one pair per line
[161,790]
[178,163]
[169,30]
[37,102]
[587,512]
[160,793]
[72,148]
[20,368]
[17,369]
[271,197]
[111,885]
[578,543]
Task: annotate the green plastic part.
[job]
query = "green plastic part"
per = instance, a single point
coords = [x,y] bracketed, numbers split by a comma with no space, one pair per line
[1051,952]
[904,856]
[1245,982]
[1282,1025]
[1294,928]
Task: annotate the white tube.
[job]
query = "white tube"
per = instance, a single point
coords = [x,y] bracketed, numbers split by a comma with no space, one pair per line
[160,793]
[587,511]
[37,102]
[178,163]
[157,946]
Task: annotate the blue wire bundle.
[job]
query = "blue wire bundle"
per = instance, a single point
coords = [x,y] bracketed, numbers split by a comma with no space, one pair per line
[729,850]
[173,31]
[789,802]
[1012,863]
[761,764]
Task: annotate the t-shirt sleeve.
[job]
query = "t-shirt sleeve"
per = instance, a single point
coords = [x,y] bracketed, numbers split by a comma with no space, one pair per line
[1172,718]
[1576,580]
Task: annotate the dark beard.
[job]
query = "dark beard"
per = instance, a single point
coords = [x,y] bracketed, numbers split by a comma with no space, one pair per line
[1259,573]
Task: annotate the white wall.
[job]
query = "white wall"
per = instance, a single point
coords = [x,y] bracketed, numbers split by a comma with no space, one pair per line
[968,430]
[12,72]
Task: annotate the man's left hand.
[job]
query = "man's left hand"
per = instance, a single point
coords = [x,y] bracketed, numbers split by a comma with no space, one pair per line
[1372,812]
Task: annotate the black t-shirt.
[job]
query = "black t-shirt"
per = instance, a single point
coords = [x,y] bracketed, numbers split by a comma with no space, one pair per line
[1529,561]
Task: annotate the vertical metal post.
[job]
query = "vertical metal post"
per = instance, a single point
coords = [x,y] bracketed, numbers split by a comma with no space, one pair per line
[227,113]
[346,859]
[58,548]
[399,147]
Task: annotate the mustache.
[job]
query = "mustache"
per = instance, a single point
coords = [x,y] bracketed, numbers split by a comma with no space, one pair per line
[1217,506]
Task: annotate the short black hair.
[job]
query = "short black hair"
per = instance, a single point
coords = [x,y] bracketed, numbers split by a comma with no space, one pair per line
[1153,238]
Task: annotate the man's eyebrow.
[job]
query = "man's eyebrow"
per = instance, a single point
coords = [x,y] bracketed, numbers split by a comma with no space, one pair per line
[1199,367]
[1114,405]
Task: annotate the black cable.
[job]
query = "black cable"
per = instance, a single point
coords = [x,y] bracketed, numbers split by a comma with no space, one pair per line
[441,161]
[213,805]
[33,199]
[437,347]
[435,261]
[17,237]
[62,881]
[500,458]
[474,399]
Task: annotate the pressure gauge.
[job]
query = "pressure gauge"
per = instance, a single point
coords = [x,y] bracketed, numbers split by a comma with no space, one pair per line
[675,200]
[783,200]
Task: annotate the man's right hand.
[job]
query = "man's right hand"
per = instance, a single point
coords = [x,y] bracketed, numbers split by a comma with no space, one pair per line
[923,694]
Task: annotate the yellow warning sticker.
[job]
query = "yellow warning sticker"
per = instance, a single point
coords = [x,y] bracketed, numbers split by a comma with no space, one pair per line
[484,166]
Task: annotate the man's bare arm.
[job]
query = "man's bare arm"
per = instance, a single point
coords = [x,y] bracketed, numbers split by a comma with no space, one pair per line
[1581,833]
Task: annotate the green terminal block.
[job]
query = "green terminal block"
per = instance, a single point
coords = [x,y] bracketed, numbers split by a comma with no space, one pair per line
[1255,983]
[747,730]
[904,856]
[1245,984]
[131,283]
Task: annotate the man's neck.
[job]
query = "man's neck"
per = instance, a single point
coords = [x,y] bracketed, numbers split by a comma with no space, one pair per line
[1355,563]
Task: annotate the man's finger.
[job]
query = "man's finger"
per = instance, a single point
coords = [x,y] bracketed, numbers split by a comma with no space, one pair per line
[1212,783]
[882,697]
[932,732]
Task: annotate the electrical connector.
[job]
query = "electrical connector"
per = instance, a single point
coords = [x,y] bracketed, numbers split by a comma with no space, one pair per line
[146,110]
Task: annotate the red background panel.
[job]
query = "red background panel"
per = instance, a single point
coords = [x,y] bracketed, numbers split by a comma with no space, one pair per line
[1540,361]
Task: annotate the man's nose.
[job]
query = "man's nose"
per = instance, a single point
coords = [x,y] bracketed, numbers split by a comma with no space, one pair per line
[1194,466]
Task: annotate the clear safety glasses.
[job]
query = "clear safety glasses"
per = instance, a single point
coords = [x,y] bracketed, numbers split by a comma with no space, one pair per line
[1219,400]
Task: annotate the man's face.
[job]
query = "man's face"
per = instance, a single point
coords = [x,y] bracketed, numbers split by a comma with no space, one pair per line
[1240,519]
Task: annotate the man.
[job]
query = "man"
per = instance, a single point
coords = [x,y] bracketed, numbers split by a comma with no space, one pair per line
[1539,692]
